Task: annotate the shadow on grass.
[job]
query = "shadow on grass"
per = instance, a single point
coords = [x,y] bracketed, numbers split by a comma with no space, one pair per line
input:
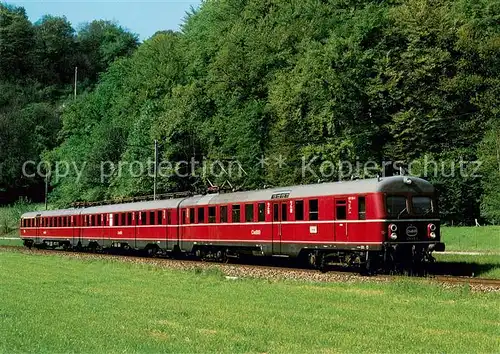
[461,268]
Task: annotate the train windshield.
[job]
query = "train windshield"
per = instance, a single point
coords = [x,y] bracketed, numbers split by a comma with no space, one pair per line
[422,205]
[396,205]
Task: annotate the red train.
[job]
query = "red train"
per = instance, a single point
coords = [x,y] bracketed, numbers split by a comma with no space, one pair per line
[383,222]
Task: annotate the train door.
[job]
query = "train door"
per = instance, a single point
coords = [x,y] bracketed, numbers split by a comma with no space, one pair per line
[182,216]
[72,223]
[279,212]
[37,228]
[164,221]
[341,220]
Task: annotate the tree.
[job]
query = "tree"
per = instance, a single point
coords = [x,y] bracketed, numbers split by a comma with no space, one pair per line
[16,41]
[100,43]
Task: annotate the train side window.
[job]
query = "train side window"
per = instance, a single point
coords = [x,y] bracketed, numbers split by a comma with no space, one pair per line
[191,215]
[248,212]
[159,216]
[211,214]
[115,220]
[169,217]
[144,220]
[299,210]
[340,210]
[313,210]
[284,212]
[223,214]
[236,216]
[362,208]
[129,219]
[201,215]
[262,211]
[152,220]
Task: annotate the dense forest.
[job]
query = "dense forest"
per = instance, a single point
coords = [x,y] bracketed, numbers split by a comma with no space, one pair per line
[259,82]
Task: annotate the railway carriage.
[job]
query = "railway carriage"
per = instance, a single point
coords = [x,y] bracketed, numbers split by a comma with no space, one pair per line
[382,221]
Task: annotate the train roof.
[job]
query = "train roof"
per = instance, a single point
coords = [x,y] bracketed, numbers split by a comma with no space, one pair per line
[395,184]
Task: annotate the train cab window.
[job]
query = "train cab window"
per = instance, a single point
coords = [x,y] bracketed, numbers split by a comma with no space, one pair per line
[223,214]
[361,208]
[313,210]
[396,205]
[276,215]
[421,205]
[340,210]
[236,216]
[191,215]
[152,220]
[261,208]
[201,215]
[211,215]
[299,210]
[248,212]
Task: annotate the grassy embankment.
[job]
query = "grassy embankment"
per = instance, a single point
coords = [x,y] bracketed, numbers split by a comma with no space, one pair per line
[109,306]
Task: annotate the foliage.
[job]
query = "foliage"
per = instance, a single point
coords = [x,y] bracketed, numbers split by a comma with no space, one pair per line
[37,65]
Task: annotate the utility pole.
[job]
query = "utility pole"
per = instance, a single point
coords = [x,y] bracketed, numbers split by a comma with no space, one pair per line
[76,79]
[156,169]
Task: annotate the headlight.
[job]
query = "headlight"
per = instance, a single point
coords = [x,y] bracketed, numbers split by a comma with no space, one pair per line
[394,236]
[393,227]
[432,235]
[432,227]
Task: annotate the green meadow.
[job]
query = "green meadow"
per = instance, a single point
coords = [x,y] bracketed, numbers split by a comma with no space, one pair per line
[65,304]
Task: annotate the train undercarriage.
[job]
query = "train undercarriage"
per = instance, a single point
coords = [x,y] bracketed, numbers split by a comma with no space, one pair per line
[394,258]
[402,258]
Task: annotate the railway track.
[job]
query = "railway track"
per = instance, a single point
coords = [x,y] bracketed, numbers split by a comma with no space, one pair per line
[279,270]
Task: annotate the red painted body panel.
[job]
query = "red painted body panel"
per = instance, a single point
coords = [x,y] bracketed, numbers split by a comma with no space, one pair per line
[338,222]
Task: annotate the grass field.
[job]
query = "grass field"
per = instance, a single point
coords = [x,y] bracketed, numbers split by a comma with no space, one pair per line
[59,304]
[481,239]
